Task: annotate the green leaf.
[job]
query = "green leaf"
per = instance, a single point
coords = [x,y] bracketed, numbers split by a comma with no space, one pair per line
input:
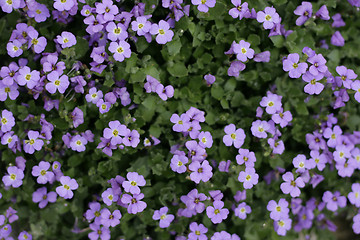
[178,70]
[81,47]
[174,47]
[217,92]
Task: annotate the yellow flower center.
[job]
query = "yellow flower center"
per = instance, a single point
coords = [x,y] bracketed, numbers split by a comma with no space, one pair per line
[78,142]
[66,40]
[260,129]
[28,77]
[9,2]
[242,210]
[57,82]
[140,26]
[197,232]
[34,41]
[15,48]
[217,211]
[32,141]
[66,187]
[133,183]
[239,8]
[63,1]
[180,163]
[117,30]
[110,197]
[115,132]
[43,172]
[93,95]
[120,50]
[293,183]
[248,177]
[233,136]
[161,31]
[200,170]
[333,136]
[295,65]
[44,197]
[12,176]
[267,17]
[4,120]
[203,140]
[103,106]
[133,201]
[7,90]
[9,140]
[163,217]
[38,11]
[301,165]
[271,103]
[243,50]
[281,223]
[278,208]
[313,82]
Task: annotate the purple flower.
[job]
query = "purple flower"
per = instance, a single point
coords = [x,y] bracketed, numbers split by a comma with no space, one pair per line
[109,197]
[248,177]
[28,77]
[205,139]
[141,25]
[346,77]
[77,116]
[115,132]
[182,123]
[304,11]
[354,86]
[110,219]
[163,31]
[269,17]
[93,212]
[333,135]
[131,138]
[108,9]
[14,48]
[197,231]
[338,21]
[94,96]
[134,181]
[291,64]
[42,197]
[39,11]
[42,173]
[164,92]
[38,44]
[120,50]
[216,212]
[78,143]
[66,39]
[62,5]
[313,86]
[247,157]
[318,64]
[282,118]
[224,166]
[272,102]
[239,10]
[116,31]
[134,203]
[165,219]
[233,136]
[33,143]
[241,210]
[178,162]
[195,201]
[68,184]
[243,51]
[101,232]
[354,196]
[7,121]
[210,79]
[290,185]
[57,82]
[259,128]
[24,236]
[200,171]
[103,106]
[235,68]
[277,145]
[204,5]
[278,210]
[333,201]
[282,226]
[196,152]
[337,39]
[8,6]
[14,177]
[317,159]
[323,13]
[300,163]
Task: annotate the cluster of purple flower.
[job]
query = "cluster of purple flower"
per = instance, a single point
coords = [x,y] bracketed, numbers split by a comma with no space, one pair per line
[243,52]
[125,193]
[198,232]
[5,226]
[78,142]
[117,135]
[153,85]
[259,128]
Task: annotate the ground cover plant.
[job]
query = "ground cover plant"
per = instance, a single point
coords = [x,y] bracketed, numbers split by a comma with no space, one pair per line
[179,119]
